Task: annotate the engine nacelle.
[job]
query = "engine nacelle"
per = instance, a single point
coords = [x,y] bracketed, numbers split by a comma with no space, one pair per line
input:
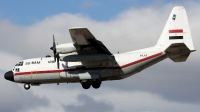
[65,48]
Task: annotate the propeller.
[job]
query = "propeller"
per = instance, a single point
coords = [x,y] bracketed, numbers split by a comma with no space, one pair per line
[56,55]
[58,59]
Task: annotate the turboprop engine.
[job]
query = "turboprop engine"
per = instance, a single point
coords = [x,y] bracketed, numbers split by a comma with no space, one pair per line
[65,48]
[61,49]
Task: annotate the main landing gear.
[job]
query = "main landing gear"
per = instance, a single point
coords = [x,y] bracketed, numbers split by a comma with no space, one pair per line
[27,86]
[95,84]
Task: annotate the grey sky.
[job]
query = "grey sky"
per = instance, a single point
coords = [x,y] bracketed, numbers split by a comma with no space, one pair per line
[88,104]
[14,99]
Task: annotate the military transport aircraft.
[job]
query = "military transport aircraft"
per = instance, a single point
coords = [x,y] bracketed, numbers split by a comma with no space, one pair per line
[87,60]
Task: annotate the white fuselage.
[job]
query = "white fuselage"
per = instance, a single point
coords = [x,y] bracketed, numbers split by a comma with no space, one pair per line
[44,70]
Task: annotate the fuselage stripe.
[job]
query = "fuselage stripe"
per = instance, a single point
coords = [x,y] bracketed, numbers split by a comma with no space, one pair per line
[141,60]
[95,68]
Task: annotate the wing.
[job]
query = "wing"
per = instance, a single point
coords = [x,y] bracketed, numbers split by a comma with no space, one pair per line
[86,43]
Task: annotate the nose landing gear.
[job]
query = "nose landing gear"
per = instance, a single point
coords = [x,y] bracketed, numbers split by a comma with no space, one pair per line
[27,86]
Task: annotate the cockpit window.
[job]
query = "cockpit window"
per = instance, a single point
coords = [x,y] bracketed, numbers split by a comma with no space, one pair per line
[19,64]
[16,69]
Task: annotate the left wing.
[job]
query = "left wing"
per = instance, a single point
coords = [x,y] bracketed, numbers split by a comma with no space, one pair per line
[86,43]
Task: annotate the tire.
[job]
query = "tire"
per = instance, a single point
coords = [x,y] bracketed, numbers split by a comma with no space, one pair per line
[96,84]
[86,85]
[27,86]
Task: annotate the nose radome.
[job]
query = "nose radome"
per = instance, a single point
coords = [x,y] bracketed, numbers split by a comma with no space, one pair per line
[9,76]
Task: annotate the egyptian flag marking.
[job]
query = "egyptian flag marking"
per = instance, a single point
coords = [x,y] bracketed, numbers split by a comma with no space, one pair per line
[173,34]
[176,31]
[175,37]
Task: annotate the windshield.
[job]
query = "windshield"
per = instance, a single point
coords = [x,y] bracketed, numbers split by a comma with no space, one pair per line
[19,64]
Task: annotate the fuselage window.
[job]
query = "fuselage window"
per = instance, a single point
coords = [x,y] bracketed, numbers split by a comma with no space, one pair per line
[17,70]
[174,17]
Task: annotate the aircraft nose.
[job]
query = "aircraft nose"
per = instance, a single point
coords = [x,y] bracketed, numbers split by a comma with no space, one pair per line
[9,76]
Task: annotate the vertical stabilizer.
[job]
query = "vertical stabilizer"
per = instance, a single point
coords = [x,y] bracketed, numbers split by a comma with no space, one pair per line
[176,39]
[176,30]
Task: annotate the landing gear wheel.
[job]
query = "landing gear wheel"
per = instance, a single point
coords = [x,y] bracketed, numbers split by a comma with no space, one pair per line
[86,85]
[27,86]
[96,84]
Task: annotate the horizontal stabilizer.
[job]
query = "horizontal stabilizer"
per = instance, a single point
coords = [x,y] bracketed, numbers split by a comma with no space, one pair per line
[178,52]
[180,58]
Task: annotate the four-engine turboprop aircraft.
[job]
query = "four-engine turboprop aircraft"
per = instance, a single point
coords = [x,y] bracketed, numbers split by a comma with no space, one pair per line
[89,62]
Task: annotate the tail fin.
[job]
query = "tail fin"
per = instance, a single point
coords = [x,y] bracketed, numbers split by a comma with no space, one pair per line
[176,39]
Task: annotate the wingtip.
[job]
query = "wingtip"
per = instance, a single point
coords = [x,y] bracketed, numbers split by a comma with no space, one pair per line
[73,28]
[193,50]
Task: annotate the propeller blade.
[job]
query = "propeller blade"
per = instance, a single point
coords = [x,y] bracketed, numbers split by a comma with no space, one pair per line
[58,59]
[54,57]
[55,54]
[54,48]
[54,43]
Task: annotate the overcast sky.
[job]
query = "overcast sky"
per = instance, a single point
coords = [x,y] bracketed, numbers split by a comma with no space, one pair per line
[26,29]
